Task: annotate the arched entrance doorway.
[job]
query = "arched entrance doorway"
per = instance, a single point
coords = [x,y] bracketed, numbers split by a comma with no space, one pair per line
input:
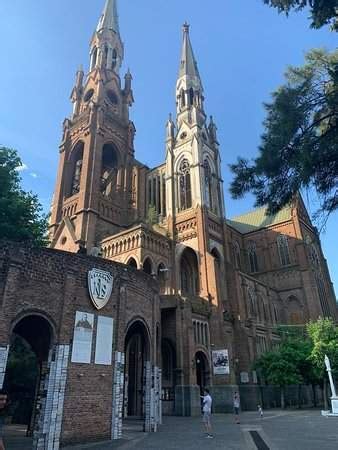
[30,343]
[137,354]
[202,371]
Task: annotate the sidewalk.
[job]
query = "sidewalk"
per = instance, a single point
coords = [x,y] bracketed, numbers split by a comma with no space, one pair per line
[278,430]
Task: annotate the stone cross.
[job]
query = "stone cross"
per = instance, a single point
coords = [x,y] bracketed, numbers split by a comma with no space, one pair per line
[328,368]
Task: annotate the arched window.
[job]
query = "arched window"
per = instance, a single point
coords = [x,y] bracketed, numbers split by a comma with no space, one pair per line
[283,250]
[114,59]
[182,96]
[236,254]
[294,311]
[76,164]
[132,263]
[322,296]
[207,184]
[106,51]
[94,58]
[184,185]
[161,276]
[109,169]
[314,256]
[252,303]
[217,265]
[189,273]
[148,266]
[191,96]
[253,261]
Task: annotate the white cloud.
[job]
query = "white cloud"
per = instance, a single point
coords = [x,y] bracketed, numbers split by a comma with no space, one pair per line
[33,175]
[22,167]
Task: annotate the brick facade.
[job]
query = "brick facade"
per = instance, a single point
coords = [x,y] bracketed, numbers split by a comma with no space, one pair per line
[52,285]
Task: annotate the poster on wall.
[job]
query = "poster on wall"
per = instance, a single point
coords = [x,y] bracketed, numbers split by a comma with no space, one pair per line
[83,336]
[220,362]
[104,341]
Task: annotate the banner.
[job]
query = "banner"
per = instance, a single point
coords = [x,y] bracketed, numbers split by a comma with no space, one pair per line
[104,341]
[220,362]
[83,336]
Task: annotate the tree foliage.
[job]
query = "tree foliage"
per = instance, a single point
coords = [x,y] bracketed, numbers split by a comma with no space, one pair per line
[285,364]
[299,358]
[299,145]
[322,12]
[21,217]
[324,336]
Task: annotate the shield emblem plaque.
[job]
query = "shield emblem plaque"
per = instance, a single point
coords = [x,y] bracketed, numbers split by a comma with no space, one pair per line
[100,284]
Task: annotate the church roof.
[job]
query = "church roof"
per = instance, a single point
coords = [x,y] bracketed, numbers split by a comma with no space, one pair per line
[258,219]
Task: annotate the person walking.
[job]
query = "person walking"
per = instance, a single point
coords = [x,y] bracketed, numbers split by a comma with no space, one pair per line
[207,403]
[237,404]
[260,411]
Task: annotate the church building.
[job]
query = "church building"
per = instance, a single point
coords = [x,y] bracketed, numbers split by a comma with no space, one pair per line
[187,297]
[224,284]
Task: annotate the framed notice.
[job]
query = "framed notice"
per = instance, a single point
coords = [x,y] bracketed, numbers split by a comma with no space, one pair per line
[83,337]
[104,341]
[220,362]
[244,377]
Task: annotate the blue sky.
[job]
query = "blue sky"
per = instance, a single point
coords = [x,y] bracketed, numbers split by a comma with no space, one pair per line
[242,48]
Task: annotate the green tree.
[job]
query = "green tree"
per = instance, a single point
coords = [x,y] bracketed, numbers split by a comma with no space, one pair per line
[278,368]
[299,145]
[322,12]
[324,336]
[21,217]
[288,364]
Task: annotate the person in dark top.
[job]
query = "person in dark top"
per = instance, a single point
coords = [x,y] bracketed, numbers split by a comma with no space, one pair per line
[3,404]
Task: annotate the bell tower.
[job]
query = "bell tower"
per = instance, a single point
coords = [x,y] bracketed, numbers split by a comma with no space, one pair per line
[194,191]
[92,197]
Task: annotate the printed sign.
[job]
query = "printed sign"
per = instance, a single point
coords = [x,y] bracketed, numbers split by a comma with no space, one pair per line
[104,341]
[244,377]
[100,285]
[220,362]
[83,336]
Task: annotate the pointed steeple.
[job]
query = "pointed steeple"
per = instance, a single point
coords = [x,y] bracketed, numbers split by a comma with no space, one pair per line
[188,66]
[109,19]
[189,88]
[106,45]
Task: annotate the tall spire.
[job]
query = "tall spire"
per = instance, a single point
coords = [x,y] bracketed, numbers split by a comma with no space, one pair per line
[106,46]
[188,66]
[189,88]
[109,19]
